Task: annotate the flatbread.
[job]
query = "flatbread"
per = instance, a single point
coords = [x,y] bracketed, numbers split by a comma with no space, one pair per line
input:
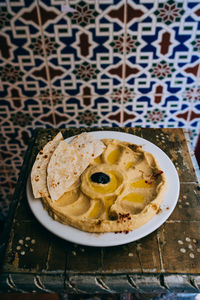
[89,146]
[39,169]
[69,161]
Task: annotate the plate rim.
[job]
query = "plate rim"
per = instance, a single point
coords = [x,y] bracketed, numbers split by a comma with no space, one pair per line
[109,239]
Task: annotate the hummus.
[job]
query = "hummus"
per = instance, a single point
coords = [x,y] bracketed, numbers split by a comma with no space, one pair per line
[120,190]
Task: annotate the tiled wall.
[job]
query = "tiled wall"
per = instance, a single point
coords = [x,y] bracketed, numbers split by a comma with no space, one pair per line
[95,63]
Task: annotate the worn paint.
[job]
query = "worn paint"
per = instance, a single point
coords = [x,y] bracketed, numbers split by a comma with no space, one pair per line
[173,248]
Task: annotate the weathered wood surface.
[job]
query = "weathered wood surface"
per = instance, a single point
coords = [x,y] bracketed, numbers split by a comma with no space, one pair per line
[166,260]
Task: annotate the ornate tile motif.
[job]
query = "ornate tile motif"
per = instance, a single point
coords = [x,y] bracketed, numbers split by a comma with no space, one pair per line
[95,63]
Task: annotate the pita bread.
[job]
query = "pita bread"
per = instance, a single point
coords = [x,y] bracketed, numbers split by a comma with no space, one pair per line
[69,161]
[39,169]
[90,146]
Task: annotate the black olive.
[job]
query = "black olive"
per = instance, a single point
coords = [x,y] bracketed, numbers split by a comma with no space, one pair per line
[100,177]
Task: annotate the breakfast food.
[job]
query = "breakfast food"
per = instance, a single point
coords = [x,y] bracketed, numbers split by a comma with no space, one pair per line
[102,186]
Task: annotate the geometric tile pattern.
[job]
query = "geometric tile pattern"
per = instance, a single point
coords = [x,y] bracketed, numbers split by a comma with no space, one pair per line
[71,63]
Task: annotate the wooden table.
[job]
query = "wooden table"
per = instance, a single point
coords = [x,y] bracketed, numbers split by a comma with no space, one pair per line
[35,260]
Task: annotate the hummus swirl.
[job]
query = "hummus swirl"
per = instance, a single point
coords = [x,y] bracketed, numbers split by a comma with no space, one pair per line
[129,199]
[100,191]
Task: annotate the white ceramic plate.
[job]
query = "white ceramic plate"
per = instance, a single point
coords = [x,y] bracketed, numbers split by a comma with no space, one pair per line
[112,239]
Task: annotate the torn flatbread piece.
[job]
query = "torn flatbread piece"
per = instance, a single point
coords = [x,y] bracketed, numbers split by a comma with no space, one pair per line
[39,169]
[89,146]
[69,161]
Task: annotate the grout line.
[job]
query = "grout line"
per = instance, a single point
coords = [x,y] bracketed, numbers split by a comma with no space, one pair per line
[124,65]
[38,97]
[46,60]
[160,251]
[182,221]
[196,87]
